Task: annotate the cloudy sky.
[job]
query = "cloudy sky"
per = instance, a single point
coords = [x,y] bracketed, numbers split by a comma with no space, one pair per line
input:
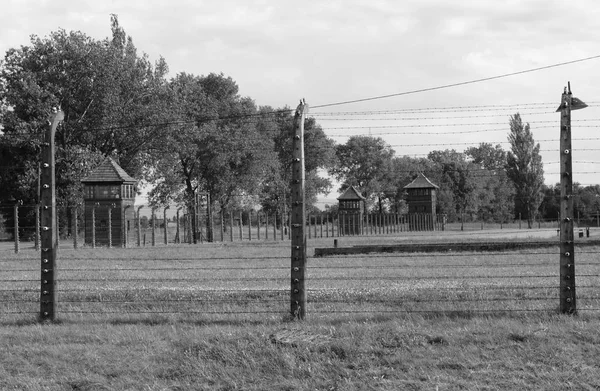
[338,51]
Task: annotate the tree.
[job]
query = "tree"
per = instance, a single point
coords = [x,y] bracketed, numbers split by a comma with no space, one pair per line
[213,145]
[457,181]
[366,162]
[525,169]
[108,93]
[550,205]
[495,194]
[319,155]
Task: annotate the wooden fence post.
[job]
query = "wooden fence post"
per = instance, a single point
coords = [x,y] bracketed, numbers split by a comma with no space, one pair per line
[266,226]
[75,228]
[166,225]
[153,217]
[222,224]
[110,209]
[249,225]
[177,227]
[94,207]
[231,226]
[16,226]
[258,225]
[139,226]
[241,227]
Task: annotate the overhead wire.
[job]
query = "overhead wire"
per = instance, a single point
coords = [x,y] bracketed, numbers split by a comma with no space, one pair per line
[440,87]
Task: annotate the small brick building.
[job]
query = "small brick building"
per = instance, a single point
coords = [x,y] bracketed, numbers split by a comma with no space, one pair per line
[109,195]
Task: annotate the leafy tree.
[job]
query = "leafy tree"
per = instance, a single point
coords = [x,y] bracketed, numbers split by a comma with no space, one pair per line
[525,169]
[211,147]
[456,180]
[586,203]
[366,162]
[550,205]
[107,92]
[319,155]
[494,192]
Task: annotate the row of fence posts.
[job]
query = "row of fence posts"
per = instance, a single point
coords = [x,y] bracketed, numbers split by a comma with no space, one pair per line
[259,226]
[230,226]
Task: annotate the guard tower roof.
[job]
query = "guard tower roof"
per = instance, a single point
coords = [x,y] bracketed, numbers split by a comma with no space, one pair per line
[109,171]
[421,182]
[351,194]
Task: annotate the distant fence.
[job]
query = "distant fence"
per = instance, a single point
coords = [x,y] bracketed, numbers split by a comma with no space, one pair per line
[144,226]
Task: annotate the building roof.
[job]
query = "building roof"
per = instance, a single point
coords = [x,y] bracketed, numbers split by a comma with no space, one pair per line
[351,194]
[421,182]
[109,171]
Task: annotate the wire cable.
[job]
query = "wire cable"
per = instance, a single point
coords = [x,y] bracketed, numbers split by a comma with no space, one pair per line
[457,84]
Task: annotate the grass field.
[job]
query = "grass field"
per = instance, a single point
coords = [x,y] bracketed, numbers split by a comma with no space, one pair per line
[215,317]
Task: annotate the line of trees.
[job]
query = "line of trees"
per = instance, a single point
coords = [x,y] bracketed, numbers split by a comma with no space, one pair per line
[483,183]
[181,136]
[189,135]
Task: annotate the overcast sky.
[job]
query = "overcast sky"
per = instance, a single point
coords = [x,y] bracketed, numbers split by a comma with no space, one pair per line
[336,51]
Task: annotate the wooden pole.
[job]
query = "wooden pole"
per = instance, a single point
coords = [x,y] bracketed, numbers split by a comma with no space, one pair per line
[75,228]
[222,218]
[258,225]
[139,226]
[266,226]
[209,220]
[16,225]
[166,225]
[241,227]
[298,222]
[94,206]
[110,209]
[49,236]
[231,226]
[153,216]
[177,229]
[568,303]
[249,225]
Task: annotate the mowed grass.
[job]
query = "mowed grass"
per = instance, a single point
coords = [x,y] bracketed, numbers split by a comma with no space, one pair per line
[215,316]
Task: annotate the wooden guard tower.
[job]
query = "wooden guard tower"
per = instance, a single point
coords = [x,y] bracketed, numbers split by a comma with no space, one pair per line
[351,207]
[109,195]
[421,199]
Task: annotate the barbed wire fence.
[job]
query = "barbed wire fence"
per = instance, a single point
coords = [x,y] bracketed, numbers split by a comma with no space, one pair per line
[241,282]
[149,279]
